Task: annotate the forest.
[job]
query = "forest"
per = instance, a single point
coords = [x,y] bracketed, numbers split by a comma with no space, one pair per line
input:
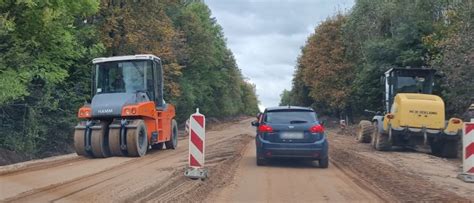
[339,69]
[46,48]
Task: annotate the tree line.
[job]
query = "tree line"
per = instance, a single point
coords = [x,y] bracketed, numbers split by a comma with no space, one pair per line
[46,48]
[338,71]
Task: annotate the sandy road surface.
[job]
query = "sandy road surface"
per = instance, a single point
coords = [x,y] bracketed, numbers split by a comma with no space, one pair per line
[356,173]
[156,177]
[290,181]
[401,175]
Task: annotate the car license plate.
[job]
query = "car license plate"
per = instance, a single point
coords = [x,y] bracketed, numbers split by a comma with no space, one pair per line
[291,135]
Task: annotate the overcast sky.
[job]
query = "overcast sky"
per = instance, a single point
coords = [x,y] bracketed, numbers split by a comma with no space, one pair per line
[266,36]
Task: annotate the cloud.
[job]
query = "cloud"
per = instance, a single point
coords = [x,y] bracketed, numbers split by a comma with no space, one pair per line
[266,36]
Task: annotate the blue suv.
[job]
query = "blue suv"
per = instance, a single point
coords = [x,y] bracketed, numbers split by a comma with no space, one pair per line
[290,132]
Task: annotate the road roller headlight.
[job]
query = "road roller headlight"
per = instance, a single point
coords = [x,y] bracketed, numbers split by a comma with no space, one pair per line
[129,111]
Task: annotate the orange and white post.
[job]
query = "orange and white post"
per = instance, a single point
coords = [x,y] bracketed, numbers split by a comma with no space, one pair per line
[467,174]
[197,147]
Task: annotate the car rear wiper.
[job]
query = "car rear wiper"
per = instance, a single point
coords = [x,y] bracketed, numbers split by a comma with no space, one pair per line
[298,121]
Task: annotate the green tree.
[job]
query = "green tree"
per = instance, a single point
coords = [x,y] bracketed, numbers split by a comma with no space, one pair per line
[141,27]
[45,68]
[285,98]
[42,43]
[378,35]
[451,46]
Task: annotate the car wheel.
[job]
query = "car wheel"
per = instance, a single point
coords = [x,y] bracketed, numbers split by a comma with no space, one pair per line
[324,163]
[261,161]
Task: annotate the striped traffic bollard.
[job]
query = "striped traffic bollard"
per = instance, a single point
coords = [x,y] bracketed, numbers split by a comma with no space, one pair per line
[467,174]
[197,147]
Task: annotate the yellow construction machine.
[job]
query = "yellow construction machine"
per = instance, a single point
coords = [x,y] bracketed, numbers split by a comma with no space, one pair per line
[413,117]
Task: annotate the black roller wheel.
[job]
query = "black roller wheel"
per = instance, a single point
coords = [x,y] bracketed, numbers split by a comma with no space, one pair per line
[114,142]
[436,147]
[173,142]
[450,149]
[137,140]
[100,142]
[366,129]
[79,144]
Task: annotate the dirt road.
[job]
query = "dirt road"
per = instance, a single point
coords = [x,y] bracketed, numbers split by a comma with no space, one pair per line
[356,173]
[289,181]
[156,177]
[401,175]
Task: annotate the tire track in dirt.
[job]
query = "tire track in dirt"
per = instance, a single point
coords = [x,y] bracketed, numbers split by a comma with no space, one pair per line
[31,194]
[395,182]
[221,162]
[147,160]
[364,184]
[290,180]
[19,168]
[166,165]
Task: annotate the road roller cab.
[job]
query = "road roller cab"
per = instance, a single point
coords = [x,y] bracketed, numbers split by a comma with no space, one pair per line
[127,114]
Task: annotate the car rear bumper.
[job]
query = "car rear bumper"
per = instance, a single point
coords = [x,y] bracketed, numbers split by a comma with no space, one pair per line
[316,150]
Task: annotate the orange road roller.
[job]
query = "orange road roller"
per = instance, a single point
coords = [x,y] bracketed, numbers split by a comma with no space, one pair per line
[127,115]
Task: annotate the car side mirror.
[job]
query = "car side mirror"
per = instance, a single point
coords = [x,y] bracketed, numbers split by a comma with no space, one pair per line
[255,123]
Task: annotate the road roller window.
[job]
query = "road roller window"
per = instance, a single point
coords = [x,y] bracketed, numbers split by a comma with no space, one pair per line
[121,76]
[150,83]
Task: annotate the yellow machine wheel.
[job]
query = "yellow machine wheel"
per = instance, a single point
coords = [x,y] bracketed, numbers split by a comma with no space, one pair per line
[99,141]
[366,129]
[137,140]
[380,140]
[373,139]
[114,142]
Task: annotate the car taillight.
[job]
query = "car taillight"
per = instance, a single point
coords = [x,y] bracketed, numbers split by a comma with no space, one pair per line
[317,129]
[265,129]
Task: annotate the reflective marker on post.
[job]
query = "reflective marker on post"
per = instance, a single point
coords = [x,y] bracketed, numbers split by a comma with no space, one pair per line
[468,153]
[197,140]
[186,127]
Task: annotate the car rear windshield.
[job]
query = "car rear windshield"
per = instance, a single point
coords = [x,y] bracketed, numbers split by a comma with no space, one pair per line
[290,117]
